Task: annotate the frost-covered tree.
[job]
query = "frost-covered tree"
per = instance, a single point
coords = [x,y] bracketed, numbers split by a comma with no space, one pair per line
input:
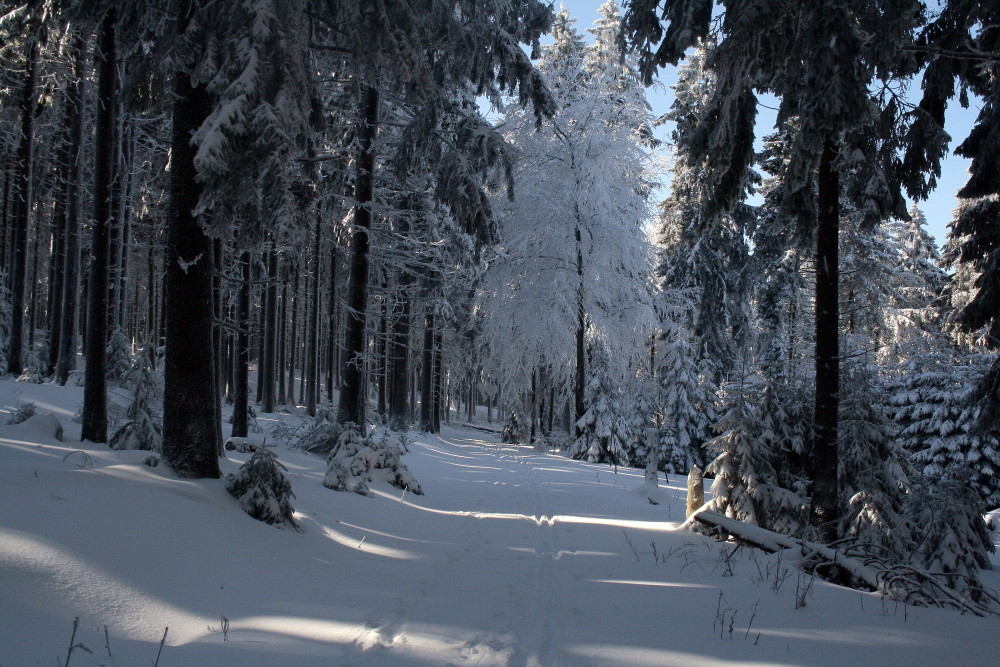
[961,286]
[477,48]
[748,454]
[572,263]
[939,426]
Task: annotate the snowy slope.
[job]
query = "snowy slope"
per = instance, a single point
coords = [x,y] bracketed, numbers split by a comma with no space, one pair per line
[510,558]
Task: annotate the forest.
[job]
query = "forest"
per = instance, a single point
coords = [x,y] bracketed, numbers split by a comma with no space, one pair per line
[395,214]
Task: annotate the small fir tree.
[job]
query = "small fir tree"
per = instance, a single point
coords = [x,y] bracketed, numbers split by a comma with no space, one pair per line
[142,427]
[955,541]
[604,431]
[874,470]
[262,489]
[119,359]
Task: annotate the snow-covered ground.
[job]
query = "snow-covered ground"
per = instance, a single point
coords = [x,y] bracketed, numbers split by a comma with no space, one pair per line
[511,557]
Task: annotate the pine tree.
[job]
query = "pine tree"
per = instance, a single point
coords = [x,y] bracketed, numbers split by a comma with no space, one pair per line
[703,254]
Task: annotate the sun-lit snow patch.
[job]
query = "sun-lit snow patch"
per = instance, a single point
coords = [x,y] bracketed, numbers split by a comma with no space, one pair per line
[639,656]
[659,584]
[362,544]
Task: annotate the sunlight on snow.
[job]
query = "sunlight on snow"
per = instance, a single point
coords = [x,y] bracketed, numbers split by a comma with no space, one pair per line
[659,584]
[369,547]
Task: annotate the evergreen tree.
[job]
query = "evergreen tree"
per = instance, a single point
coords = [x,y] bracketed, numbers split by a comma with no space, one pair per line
[703,254]
[142,428]
[686,402]
[875,472]
[604,435]
[262,490]
[820,61]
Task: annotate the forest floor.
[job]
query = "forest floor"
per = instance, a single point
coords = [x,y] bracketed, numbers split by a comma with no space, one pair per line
[511,557]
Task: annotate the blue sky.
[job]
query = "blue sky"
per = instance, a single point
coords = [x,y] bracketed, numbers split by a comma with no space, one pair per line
[939,205]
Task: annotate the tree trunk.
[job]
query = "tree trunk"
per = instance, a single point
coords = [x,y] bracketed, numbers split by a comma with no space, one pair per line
[190,431]
[438,382]
[95,395]
[57,259]
[351,407]
[825,510]
[581,320]
[241,393]
[217,330]
[76,111]
[312,356]
[23,196]
[269,343]
[332,361]
[399,357]
[427,376]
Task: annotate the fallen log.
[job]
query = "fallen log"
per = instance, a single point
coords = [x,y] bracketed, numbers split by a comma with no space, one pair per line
[901,582]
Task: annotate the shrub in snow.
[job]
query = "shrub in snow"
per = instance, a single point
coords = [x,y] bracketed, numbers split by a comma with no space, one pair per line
[513,430]
[322,433]
[262,489]
[141,428]
[355,458]
[21,413]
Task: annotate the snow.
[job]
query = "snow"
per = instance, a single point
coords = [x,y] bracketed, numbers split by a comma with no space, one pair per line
[511,557]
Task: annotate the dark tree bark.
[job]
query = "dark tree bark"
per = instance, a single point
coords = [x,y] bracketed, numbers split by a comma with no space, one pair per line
[427,376]
[241,381]
[581,358]
[95,394]
[190,431]
[71,278]
[351,407]
[438,382]
[312,357]
[399,356]
[284,357]
[217,334]
[269,343]
[825,510]
[57,259]
[23,195]
[332,369]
